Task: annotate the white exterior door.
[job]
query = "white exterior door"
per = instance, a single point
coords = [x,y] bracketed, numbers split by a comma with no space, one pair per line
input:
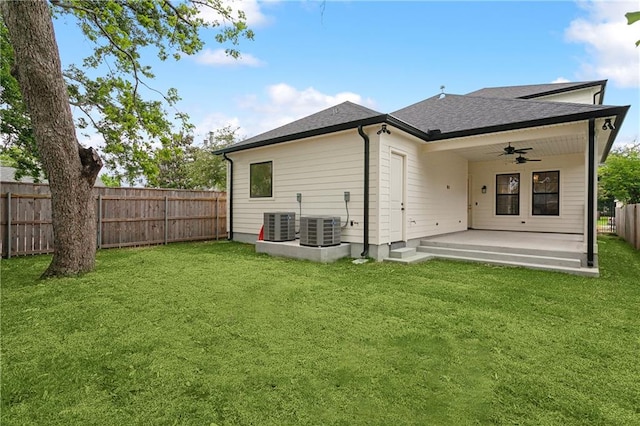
[396,198]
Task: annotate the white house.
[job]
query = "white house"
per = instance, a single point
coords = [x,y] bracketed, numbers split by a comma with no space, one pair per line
[521,159]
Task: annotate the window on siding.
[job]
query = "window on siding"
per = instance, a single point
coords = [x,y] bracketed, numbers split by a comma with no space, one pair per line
[260,180]
[546,193]
[508,194]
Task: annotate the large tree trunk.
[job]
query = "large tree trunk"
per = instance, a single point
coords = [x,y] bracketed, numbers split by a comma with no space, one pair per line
[71,169]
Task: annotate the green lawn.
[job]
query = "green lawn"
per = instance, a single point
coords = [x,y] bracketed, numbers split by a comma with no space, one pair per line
[605,221]
[211,333]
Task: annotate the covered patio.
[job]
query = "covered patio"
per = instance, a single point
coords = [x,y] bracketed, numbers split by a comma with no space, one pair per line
[537,250]
[516,242]
[548,226]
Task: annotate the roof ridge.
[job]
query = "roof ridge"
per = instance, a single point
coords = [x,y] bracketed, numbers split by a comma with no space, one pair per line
[324,110]
[540,101]
[362,107]
[529,91]
[593,82]
[425,100]
[498,98]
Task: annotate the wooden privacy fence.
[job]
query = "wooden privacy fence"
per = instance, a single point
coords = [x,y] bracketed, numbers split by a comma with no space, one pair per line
[125,217]
[628,224]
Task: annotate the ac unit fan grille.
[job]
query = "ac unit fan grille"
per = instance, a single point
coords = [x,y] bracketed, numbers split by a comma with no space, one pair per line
[279,226]
[320,231]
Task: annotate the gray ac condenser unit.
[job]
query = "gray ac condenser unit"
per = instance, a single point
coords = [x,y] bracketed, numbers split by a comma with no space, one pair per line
[279,226]
[320,231]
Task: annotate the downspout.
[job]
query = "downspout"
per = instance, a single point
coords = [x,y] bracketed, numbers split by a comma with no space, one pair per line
[365,207]
[591,192]
[230,197]
[594,97]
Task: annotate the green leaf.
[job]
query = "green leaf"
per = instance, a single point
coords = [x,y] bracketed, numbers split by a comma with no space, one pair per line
[632,17]
[114,104]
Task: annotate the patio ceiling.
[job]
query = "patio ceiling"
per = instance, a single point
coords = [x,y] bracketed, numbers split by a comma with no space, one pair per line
[560,145]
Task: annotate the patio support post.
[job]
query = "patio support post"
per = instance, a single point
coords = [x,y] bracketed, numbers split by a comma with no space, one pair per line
[365,208]
[591,192]
[230,196]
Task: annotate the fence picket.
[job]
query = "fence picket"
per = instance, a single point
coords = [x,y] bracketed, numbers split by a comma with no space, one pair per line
[124,217]
[628,224]
[9,230]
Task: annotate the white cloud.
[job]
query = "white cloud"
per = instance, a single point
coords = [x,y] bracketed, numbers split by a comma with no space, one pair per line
[610,42]
[285,103]
[560,80]
[278,105]
[213,122]
[218,57]
[90,139]
[252,10]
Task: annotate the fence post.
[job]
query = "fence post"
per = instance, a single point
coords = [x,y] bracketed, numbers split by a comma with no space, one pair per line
[633,237]
[217,217]
[166,219]
[637,223]
[8,225]
[99,220]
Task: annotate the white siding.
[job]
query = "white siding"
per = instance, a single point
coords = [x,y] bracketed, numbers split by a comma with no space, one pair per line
[572,195]
[320,168]
[582,96]
[436,193]
[324,167]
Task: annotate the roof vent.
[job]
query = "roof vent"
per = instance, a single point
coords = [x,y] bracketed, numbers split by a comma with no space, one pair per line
[442,95]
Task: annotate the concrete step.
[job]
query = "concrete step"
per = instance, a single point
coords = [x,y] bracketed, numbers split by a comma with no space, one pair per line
[402,253]
[587,272]
[547,252]
[499,256]
[416,258]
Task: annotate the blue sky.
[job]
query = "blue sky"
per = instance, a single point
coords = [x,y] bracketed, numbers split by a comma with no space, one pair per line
[307,56]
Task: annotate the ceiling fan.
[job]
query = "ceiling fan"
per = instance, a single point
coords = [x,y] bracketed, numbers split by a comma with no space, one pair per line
[521,160]
[510,150]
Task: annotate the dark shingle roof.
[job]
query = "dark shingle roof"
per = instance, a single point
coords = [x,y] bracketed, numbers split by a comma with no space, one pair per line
[452,115]
[329,120]
[534,90]
[458,113]
[7,174]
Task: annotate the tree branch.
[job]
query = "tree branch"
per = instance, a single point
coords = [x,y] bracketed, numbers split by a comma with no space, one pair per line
[91,163]
[96,21]
[177,13]
[225,14]
[81,108]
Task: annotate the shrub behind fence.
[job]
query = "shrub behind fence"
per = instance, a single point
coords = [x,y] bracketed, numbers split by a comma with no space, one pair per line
[628,224]
[125,217]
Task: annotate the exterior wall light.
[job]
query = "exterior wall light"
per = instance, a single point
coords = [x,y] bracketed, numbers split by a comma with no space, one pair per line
[384,130]
[484,189]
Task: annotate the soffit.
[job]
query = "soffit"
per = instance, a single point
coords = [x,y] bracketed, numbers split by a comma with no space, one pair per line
[558,145]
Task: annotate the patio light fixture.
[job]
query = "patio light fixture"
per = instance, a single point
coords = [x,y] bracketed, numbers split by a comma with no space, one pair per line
[384,130]
[607,125]
[484,189]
